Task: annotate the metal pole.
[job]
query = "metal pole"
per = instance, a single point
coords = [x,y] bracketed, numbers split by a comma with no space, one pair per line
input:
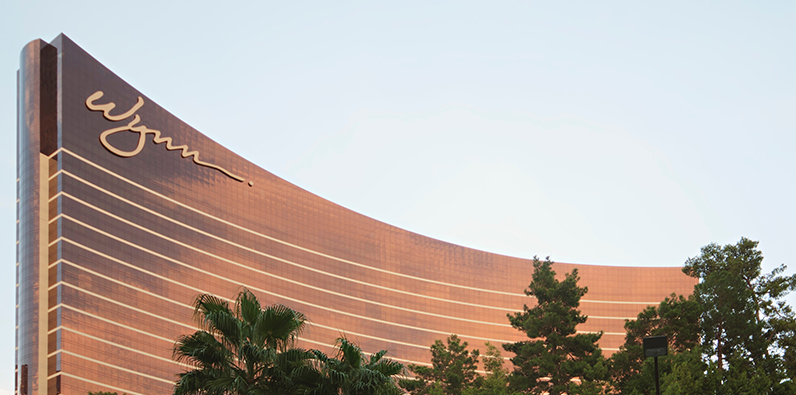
[657,384]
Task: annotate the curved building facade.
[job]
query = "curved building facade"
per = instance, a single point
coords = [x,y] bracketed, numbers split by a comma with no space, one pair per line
[126,214]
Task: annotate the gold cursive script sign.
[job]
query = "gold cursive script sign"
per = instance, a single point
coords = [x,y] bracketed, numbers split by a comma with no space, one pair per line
[142,132]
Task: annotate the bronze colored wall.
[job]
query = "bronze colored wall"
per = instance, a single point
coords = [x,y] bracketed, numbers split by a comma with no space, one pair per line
[135,231]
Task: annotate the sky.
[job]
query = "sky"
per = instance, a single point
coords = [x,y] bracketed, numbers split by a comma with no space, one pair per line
[609,133]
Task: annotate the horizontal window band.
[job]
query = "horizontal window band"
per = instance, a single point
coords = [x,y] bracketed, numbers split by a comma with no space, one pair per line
[255,251]
[122,390]
[190,366]
[142,311]
[231,262]
[107,278]
[282,296]
[108,342]
[171,341]
[161,196]
[327,308]
[253,269]
[298,301]
[303,339]
[599,317]
[232,301]
[75,309]
[112,366]
[424,347]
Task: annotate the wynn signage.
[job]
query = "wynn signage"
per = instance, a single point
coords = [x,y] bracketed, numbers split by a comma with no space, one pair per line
[142,131]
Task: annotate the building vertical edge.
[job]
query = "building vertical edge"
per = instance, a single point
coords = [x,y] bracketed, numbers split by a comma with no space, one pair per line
[16,264]
[36,121]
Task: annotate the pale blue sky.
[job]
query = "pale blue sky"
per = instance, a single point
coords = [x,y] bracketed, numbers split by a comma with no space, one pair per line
[615,133]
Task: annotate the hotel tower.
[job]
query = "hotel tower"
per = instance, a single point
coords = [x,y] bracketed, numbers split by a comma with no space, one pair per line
[126,214]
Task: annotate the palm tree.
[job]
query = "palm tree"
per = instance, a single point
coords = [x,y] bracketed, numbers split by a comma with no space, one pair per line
[245,350]
[353,373]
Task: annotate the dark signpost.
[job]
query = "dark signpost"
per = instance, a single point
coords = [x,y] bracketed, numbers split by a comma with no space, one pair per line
[656,346]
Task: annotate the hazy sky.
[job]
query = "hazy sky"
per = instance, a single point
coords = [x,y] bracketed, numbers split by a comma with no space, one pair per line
[612,133]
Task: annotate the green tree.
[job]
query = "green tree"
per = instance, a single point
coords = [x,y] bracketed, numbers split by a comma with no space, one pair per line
[496,380]
[248,349]
[353,373]
[675,317]
[681,373]
[786,344]
[245,349]
[493,362]
[744,321]
[453,369]
[556,353]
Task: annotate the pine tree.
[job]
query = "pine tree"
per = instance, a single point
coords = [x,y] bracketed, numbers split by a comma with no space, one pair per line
[555,353]
[453,369]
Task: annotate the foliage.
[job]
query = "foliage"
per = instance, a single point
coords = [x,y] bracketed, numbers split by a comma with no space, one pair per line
[353,373]
[497,377]
[556,353]
[453,369]
[745,325]
[493,361]
[674,317]
[735,335]
[786,342]
[240,350]
[248,349]
[680,373]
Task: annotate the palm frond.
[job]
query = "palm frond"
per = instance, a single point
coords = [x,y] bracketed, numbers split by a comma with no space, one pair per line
[349,353]
[376,357]
[247,307]
[246,349]
[201,349]
[279,326]
[214,315]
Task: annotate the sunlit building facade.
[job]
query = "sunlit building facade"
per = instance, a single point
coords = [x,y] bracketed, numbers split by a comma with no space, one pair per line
[126,214]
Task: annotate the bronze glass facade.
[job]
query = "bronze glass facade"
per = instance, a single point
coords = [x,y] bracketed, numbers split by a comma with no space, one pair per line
[126,214]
